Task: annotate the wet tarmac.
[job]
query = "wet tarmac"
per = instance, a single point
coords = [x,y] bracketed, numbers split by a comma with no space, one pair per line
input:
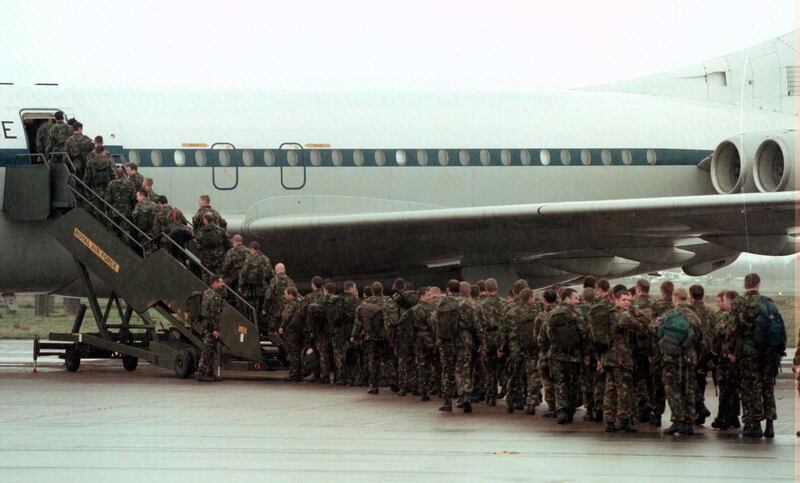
[104,424]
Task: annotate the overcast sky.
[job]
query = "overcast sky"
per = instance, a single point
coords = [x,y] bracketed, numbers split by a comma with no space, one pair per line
[463,45]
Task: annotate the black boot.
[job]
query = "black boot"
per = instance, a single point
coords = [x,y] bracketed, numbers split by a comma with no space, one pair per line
[687,429]
[530,409]
[734,423]
[655,421]
[562,417]
[373,390]
[425,397]
[447,406]
[701,416]
[510,408]
[769,431]
[752,430]
[675,427]
[610,427]
[598,415]
[492,402]
[550,413]
[624,425]
[401,392]
[467,407]
[588,417]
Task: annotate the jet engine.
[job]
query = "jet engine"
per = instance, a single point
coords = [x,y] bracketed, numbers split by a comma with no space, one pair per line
[731,166]
[753,162]
[773,169]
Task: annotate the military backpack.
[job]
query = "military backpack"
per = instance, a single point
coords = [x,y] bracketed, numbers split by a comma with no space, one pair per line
[600,326]
[674,334]
[448,315]
[565,336]
[193,310]
[371,316]
[491,312]
[526,325]
[315,318]
[333,311]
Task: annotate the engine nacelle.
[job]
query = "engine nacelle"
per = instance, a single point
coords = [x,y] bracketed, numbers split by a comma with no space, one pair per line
[731,164]
[773,169]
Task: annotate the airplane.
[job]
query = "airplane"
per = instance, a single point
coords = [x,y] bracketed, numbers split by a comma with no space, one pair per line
[687,168]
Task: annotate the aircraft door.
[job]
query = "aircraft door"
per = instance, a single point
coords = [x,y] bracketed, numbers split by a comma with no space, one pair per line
[32,119]
[224,166]
[293,166]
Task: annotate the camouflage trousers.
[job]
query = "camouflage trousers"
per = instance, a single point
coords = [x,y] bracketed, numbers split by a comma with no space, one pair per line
[294,354]
[658,398]
[757,391]
[209,356]
[642,382]
[456,371]
[533,392]
[447,356]
[212,260]
[619,392]
[254,298]
[491,366]
[728,391]
[478,378]
[424,356]
[515,383]
[375,352]
[547,384]
[323,344]
[406,370]
[566,383]
[464,358]
[339,346]
[599,388]
[701,380]
[587,382]
[680,386]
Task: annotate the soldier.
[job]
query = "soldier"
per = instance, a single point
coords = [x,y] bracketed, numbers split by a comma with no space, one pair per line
[41,136]
[204,206]
[232,266]
[371,323]
[321,318]
[642,308]
[345,361]
[728,372]
[292,330]
[143,215]
[147,186]
[79,146]
[663,304]
[170,220]
[490,320]
[524,346]
[401,337]
[132,170]
[424,343]
[756,345]
[513,385]
[210,242]
[708,323]
[121,196]
[617,362]
[256,272]
[99,172]
[211,311]
[680,337]
[57,135]
[273,297]
[564,339]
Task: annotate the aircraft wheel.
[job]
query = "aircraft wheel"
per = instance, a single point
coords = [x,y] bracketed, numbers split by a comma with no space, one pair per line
[184,364]
[72,360]
[130,363]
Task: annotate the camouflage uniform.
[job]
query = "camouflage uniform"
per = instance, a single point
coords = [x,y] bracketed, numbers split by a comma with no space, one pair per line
[143,217]
[642,309]
[345,357]
[490,320]
[565,358]
[424,347]
[374,343]
[57,136]
[41,137]
[456,353]
[729,401]
[293,326]
[589,374]
[211,246]
[122,196]
[164,218]
[273,297]
[402,337]
[678,376]
[757,381]
[658,398]
[256,272]
[137,179]
[197,219]
[523,349]
[232,268]
[211,310]
[79,148]
[708,323]
[99,172]
[618,365]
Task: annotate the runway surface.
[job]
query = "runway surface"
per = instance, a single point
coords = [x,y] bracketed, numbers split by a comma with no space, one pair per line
[104,424]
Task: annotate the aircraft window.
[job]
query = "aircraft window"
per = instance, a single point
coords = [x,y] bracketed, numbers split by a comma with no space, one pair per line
[269,158]
[444,158]
[224,158]
[651,157]
[400,157]
[605,157]
[544,157]
[133,157]
[626,156]
[566,157]
[380,158]
[316,158]
[422,157]
[358,157]
[505,157]
[247,157]
[180,158]
[524,157]
[486,157]
[586,157]
[155,157]
[463,157]
[336,157]
[291,158]
[200,158]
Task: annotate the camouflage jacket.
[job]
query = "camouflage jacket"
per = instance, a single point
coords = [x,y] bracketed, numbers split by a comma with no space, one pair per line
[389,312]
[741,341]
[255,273]
[78,149]
[490,321]
[546,337]
[57,136]
[232,265]
[164,218]
[518,342]
[122,196]
[210,238]
[349,306]
[646,304]
[197,219]
[137,179]
[291,322]
[622,340]
[722,333]
[695,332]
[661,306]
[41,137]
[99,172]
[273,297]
[211,310]
[423,312]
[468,332]
[708,324]
[143,215]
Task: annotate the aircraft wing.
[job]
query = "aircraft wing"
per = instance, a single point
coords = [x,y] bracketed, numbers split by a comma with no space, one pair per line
[601,238]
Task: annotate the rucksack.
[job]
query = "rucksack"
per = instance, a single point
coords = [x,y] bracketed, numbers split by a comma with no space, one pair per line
[769,330]
[600,325]
[333,311]
[402,301]
[447,319]
[407,322]
[674,334]
[564,334]
[371,316]
[491,313]
[315,318]
[525,329]
[193,310]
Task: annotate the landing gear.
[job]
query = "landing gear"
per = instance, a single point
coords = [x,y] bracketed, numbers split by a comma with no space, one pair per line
[130,363]
[72,360]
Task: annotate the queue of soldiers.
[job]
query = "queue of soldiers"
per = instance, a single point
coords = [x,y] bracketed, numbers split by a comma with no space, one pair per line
[615,351]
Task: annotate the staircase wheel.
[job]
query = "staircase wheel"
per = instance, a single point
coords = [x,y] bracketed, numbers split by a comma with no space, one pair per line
[184,364]
[72,360]
[130,363]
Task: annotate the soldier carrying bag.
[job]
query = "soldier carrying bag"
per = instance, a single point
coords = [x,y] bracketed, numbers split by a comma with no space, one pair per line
[315,318]
[564,334]
[674,334]
[447,319]
[769,335]
[371,317]
[525,330]
[600,325]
